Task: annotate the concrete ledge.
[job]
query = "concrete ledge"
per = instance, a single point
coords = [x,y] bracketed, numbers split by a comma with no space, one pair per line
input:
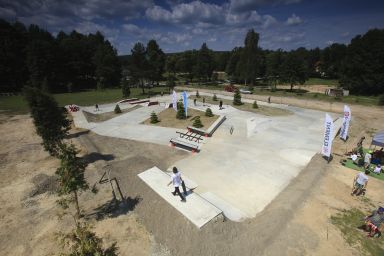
[183,143]
[196,209]
[209,132]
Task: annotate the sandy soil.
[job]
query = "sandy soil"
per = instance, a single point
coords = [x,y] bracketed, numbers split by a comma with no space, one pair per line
[297,222]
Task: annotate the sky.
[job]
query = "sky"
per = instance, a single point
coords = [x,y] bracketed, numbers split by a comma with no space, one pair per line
[179,25]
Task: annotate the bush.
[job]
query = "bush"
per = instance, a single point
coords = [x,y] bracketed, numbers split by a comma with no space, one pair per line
[237,98]
[197,123]
[208,112]
[180,111]
[214,98]
[197,94]
[117,109]
[154,118]
[125,89]
[254,105]
[381,100]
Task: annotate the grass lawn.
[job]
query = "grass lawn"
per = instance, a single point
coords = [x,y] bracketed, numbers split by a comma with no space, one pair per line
[91,117]
[87,98]
[349,163]
[263,110]
[321,81]
[168,119]
[348,222]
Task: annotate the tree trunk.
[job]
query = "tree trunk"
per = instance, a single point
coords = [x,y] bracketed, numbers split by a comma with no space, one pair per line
[142,86]
[291,87]
[76,203]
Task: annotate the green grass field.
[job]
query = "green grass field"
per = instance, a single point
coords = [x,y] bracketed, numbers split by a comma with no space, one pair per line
[321,81]
[17,104]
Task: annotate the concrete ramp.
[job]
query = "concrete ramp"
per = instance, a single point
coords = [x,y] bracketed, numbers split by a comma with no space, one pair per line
[196,209]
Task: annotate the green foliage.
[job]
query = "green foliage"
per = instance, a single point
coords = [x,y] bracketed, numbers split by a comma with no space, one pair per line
[180,111]
[71,173]
[381,100]
[237,98]
[83,242]
[156,61]
[208,112]
[254,105]
[125,88]
[214,98]
[154,118]
[250,58]
[117,109]
[197,123]
[348,221]
[197,94]
[50,120]
[204,63]
[139,64]
[293,70]
[171,82]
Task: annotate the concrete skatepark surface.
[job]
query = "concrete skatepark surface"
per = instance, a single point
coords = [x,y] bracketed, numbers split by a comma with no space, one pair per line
[239,173]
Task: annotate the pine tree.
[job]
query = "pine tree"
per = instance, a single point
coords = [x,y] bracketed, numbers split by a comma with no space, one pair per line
[197,94]
[71,173]
[208,112]
[237,98]
[50,120]
[117,109]
[125,89]
[214,98]
[180,111]
[154,118]
[254,105]
[197,123]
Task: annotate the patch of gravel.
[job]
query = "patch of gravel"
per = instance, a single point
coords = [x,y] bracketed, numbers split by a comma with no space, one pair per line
[43,184]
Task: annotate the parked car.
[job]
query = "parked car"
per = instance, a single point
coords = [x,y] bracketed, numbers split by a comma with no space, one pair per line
[245,91]
[229,88]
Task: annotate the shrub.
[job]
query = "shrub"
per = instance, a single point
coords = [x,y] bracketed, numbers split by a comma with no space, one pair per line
[214,98]
[197,94]
[254,105]
[381,100]
[125,89]
[180,111]
[197,123]
[208,112]
[237,98]
[117,109]
[154,118]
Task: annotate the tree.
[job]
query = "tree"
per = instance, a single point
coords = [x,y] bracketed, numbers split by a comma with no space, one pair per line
[254,105]
[237,98]
[139,64]
[156,61]
[71,173]
[273,66]
[208,112]
[180,111]
[108,69]
[117,109]
[154,118]
[171,82]
[204,63]
[197,122]
[362,71]
[50,120]
[214,98]
[126,89]
[250,60]
[233,63]
[293,70]
[83,242]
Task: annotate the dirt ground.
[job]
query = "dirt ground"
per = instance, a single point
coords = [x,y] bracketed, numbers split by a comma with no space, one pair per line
[297,222]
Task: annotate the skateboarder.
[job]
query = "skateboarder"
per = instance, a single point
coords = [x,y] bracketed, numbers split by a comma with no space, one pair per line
[221,105]
[176,181]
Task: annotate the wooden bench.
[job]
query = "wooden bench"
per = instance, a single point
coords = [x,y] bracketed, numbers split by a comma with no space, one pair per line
[211,129]
[188,145]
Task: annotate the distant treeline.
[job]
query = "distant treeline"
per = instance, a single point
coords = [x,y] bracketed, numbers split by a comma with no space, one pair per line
[72,62]
[32,56]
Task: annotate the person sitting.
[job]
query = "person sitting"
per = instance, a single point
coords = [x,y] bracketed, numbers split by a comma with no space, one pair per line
[377,169]
[374,221]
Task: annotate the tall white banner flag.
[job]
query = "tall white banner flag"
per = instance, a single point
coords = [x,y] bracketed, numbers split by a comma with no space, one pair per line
[185,100]
[346,120]
[174,100]
[328,136]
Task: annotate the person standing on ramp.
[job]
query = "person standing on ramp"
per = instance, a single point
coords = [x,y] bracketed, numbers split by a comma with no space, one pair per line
[176,181]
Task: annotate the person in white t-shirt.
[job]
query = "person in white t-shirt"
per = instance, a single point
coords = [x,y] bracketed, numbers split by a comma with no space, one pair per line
[377,169]
[176,181]
[360,183]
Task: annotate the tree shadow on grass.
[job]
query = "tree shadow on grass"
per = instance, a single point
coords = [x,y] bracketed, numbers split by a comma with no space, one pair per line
[113,208]
[95,156]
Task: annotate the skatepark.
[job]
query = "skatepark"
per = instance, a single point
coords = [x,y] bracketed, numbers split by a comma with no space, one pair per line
[247,162]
